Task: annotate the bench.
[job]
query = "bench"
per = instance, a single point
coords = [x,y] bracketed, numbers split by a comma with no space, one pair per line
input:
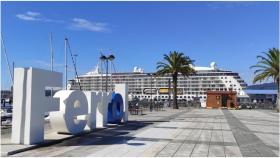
[135,110]
[158,107]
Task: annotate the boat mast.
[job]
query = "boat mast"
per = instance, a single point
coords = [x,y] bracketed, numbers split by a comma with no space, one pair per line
[13,71]
[65,60]
[52,54]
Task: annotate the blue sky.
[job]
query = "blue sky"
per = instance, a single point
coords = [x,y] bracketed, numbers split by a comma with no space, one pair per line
[230,33]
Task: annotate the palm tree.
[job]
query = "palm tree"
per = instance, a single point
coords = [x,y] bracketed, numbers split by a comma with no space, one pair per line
[268,67]
[174,64]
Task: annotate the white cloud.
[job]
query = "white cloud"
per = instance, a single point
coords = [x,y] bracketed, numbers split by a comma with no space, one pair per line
[83,24]
[33,13]
[75,24]
[29,16]
[35,16]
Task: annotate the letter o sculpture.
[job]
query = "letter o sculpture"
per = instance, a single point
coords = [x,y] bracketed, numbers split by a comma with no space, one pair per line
[115,109]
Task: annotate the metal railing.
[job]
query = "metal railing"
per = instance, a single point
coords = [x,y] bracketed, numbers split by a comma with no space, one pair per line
[251,105]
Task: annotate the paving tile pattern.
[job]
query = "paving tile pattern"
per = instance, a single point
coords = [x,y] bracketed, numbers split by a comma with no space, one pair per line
[256,132]
[180,133]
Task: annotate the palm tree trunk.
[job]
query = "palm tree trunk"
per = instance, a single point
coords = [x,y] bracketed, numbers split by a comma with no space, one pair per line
[175,105]
[278,96]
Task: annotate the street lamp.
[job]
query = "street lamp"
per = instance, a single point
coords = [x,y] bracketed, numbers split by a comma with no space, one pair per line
[151,93]
[108,58]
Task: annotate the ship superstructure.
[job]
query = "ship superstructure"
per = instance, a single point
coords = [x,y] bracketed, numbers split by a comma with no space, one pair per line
[145,85]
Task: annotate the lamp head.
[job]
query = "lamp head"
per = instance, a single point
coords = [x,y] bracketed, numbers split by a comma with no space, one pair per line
[102,57]
[111,57]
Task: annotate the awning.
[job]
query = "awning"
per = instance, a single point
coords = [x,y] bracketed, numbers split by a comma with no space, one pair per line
[261,91]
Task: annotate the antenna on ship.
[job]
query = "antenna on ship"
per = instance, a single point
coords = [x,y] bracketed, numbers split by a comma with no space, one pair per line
[7,60]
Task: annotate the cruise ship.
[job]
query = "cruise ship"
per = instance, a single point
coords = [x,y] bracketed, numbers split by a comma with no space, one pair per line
[146,86]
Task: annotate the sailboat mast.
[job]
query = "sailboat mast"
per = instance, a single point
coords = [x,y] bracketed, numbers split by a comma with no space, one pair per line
[65,59]
[52,54]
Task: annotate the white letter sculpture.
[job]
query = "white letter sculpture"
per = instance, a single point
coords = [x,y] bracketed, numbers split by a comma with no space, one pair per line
[122,90]
[93,99]
[30,103]
[72,117]
[102,109]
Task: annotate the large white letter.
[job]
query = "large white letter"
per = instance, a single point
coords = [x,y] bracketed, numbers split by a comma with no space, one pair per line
[30,103]
[72,117]
[122,90]
[102,109]
[93,98]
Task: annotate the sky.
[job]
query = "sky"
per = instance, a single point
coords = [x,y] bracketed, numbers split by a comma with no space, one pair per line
[138,33]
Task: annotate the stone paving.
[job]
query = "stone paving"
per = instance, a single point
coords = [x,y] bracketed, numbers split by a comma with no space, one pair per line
[181,133]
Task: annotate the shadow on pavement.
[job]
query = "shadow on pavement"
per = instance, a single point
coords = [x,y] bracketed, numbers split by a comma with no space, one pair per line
[113,134]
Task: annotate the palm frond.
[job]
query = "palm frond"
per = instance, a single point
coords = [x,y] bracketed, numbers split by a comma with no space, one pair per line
[175,62]
[267,66]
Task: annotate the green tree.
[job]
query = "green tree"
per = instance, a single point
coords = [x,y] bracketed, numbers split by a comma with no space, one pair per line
[268,67]
[174,64]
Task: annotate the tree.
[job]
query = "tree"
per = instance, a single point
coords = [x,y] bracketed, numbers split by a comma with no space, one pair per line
[174,64]
[268,67]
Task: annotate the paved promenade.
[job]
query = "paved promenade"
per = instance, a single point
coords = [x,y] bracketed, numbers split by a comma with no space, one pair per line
[183,132]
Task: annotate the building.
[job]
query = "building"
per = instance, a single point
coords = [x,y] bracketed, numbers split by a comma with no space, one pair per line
[262,93]
[218,99]
[262,96]
[146,86]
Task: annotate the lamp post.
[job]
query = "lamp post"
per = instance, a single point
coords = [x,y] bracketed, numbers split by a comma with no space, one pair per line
[151,93]
[108,58]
